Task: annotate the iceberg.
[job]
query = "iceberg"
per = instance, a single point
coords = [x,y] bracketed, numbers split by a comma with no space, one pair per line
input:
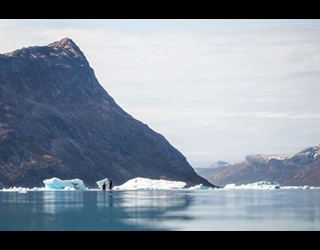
[150,184]
[58,184]
[140,183]
[255,185]
[99,183]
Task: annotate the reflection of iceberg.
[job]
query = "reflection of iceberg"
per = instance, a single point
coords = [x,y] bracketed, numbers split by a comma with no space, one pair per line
[56,183]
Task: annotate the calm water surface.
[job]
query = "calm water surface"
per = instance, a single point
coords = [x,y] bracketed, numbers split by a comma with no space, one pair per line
[174,210]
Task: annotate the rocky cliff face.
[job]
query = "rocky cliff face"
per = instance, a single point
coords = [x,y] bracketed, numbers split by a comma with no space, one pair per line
[56,120]
[300,169]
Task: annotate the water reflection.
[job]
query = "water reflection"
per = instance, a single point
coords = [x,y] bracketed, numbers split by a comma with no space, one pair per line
[160,210]
[253,210]
[88,210]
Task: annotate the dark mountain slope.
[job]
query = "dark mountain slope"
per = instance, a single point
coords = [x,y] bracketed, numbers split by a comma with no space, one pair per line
[56,120]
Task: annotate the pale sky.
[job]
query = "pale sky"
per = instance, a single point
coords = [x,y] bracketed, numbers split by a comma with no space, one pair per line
[215,89]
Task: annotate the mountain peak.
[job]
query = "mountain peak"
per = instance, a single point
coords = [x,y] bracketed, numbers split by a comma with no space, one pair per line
[219,164]
[68,44]
[63,48]
[64,43]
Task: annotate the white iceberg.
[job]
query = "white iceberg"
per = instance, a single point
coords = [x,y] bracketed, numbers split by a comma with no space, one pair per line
[255,185]
[58,184]
[99,183]
[140,183]
[150,184]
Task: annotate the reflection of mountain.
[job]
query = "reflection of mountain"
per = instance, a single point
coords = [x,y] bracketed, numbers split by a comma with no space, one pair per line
[58,121]
[90,210]
[300,169]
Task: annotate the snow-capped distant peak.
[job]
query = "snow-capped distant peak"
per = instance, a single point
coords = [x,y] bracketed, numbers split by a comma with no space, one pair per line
[265,158]
[310,152]
[220,164]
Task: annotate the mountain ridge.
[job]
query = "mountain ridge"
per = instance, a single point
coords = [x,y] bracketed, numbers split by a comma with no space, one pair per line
[299,169]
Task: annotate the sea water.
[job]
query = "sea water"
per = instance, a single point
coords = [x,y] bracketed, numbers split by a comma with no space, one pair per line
[161,210]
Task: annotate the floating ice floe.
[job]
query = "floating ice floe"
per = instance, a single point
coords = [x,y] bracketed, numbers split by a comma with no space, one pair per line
[255,185]
[266,185]
[58,184]
[99,183]
[140,183]
[149,184]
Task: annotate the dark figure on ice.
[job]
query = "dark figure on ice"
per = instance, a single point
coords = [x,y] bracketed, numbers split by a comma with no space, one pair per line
[104,186]
[110,184]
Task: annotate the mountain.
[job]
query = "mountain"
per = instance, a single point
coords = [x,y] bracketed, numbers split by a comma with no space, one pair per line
[300,169]
[56,120]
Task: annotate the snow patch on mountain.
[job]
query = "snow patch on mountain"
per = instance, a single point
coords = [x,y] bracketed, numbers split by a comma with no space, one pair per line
[265,158]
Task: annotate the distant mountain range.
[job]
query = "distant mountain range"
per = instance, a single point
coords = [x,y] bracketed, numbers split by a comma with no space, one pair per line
[56,120]
[300,169]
